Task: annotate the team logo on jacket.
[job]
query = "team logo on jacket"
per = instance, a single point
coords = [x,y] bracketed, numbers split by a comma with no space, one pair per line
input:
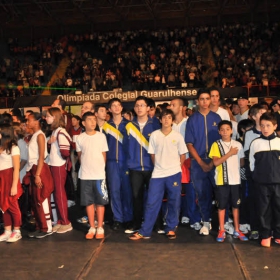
[214,124]
[175,184]
[238,201]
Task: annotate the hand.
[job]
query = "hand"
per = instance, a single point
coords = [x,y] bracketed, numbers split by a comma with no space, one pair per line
[206,167]
[13,191]
[38,182]
[52,140]
[233,151]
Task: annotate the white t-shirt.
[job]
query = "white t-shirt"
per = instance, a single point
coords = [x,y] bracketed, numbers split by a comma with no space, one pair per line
[55,155]
[223,113]
[92,160]
[167,150]
[33,150]
[23,156]
[181,128]
[6,160]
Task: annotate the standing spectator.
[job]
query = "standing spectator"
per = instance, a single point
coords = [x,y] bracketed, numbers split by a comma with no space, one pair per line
[168,152]
[139,162]
[264,163]
[91,147]
[201,133]
[10,185]
[59,153]
[40,178]
[116,165]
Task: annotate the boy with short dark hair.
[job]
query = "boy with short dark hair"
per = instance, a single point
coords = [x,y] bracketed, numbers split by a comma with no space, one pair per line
[100,113]
[138,160]
[116,165]
[265,165]
[227,155]
[91,147]
[168,152]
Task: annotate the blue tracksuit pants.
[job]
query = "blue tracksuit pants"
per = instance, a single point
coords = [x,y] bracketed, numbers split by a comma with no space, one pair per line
[203,183]
[172,186]
[120,191]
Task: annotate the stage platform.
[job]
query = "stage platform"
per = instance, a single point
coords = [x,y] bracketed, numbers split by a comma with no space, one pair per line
[70,256]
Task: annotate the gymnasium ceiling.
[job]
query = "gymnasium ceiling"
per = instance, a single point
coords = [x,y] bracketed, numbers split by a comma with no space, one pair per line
[125,14]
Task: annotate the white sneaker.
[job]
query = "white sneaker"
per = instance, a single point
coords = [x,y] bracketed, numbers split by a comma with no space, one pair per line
[229,228]
[205,229]
[5,236]
[15,236]
[244,228]
[196,226]
[185,220]
[70,203]
[99,233]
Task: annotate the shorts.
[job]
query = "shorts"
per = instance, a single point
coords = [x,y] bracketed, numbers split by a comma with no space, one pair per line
[227,194]
[94,192]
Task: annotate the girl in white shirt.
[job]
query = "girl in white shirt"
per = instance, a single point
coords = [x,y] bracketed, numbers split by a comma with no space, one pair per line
[41,179]
[59,143]
[9,184]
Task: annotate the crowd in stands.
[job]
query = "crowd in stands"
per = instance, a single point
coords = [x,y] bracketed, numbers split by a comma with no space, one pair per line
[226,56]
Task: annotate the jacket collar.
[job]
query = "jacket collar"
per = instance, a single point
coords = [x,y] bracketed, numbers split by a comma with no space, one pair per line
[270,137]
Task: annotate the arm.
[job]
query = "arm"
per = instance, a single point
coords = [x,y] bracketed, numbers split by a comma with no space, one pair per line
[79,156]
[182,159]
[242,162]
[16,164]
[205,167]
[217,161]
[41,148]
[22,164]
[153,158]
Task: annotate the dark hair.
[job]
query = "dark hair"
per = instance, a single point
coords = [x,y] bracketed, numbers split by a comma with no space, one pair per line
[141,97]
[224,122]
[214,88]
[244,124]
[99,106]
[151,103]
[255,109]
[87,114]
[271,117]
[166,112]
[58,120]
[76,117]
[16,112]
[7,119]
[62,103]
[201,91]
[111,101]
[18,130]
[29,111]
[8,137]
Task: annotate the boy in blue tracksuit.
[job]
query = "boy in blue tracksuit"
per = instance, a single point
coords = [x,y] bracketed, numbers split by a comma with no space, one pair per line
[201,133]
[116,165]
[139,161]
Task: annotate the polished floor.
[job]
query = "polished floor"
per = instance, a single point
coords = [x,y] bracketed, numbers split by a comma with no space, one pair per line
[190,256]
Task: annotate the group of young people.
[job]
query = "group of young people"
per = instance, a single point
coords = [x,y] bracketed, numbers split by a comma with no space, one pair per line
[145,160]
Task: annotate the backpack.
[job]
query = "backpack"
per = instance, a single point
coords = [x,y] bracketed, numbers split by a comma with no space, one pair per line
[68,159]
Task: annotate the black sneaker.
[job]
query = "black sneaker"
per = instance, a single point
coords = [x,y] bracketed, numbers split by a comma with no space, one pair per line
[42,234]
[116,225]
[131,228]
[32,234]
